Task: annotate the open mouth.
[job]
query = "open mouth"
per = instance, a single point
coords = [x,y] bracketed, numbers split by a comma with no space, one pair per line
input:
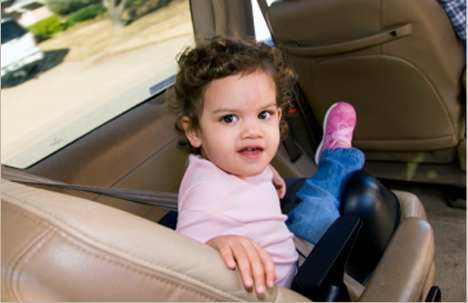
[251,152]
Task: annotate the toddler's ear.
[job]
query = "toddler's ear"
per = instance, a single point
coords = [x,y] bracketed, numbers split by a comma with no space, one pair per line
[191,132]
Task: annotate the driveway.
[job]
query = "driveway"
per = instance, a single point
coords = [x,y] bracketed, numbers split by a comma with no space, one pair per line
[41,114]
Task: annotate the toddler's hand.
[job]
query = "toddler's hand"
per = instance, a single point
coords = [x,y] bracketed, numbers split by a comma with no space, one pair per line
[278,182]
[253,261]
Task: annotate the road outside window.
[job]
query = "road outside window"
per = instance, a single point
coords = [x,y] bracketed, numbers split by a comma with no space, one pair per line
[91,71]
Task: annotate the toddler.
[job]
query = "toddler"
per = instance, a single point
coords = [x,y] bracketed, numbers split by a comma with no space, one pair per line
[229,98]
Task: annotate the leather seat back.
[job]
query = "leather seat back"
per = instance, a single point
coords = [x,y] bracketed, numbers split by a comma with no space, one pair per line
[399,63]
[57,247]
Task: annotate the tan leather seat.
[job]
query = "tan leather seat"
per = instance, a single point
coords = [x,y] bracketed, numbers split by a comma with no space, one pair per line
[57,247]
[398,62]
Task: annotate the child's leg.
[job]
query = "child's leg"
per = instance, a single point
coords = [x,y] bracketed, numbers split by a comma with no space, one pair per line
[321,193]
[336,160]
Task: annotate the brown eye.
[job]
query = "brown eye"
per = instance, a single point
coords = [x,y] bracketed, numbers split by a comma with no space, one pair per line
[229,119]
[265,115]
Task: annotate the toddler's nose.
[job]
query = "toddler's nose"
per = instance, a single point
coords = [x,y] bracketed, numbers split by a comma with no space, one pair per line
[251,129]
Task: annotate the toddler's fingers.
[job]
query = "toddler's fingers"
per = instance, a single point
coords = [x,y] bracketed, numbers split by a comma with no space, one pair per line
[280,185]
[268,265]
[281,192]
[243,263]
[225,251]
[256,264]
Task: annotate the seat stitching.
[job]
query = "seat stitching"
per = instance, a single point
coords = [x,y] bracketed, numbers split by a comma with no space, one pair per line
[28,254]
[56,232]
[118,249]
[427,266]
[141,272]
[23,249]
[417,207]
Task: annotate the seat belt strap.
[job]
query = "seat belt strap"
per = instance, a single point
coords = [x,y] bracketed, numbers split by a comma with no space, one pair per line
[162,200]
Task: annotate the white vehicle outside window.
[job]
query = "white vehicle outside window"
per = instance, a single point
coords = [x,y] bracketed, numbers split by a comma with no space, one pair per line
[19,50]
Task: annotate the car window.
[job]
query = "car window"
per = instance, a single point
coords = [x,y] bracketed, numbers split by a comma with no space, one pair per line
[91,71]
[262,33]
[11,30]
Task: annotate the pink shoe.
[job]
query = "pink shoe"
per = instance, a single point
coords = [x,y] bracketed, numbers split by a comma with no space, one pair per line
[338,128]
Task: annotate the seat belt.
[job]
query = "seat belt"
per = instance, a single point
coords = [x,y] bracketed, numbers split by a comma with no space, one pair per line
[162,200]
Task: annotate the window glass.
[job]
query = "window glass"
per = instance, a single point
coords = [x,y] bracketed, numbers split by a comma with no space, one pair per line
[11,30]
[262,33]
[91,71]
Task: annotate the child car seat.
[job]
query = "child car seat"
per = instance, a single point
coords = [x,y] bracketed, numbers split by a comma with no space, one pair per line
[399,63]
[56,247]
[381,213]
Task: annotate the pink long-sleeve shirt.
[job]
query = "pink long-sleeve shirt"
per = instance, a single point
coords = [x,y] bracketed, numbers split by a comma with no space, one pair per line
[214,203]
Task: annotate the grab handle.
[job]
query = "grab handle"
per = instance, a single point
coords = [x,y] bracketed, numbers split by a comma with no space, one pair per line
[382,37]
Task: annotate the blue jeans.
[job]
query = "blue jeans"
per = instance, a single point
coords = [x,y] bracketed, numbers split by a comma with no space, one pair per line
[321,194]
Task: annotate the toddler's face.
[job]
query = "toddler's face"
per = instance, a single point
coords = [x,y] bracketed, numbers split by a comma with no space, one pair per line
[239,126]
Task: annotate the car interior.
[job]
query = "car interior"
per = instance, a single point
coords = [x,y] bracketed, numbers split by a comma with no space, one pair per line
[395,62]
[67,245]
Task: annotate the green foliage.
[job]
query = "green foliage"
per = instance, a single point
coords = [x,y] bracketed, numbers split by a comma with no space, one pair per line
[134,3]
[65,7]
[89,12]
[46,28]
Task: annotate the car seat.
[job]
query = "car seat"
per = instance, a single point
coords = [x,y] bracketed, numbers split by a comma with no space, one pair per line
[380,212]
[399,63]
[56,247]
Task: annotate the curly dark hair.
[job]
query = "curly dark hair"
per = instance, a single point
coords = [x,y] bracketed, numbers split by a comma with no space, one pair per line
[221,57]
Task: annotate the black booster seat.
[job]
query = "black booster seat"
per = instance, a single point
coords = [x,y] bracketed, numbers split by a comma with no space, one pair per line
[355,243]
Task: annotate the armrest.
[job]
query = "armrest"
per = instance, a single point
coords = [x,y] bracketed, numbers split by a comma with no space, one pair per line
[405,265]
[410,205]
[320,277]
